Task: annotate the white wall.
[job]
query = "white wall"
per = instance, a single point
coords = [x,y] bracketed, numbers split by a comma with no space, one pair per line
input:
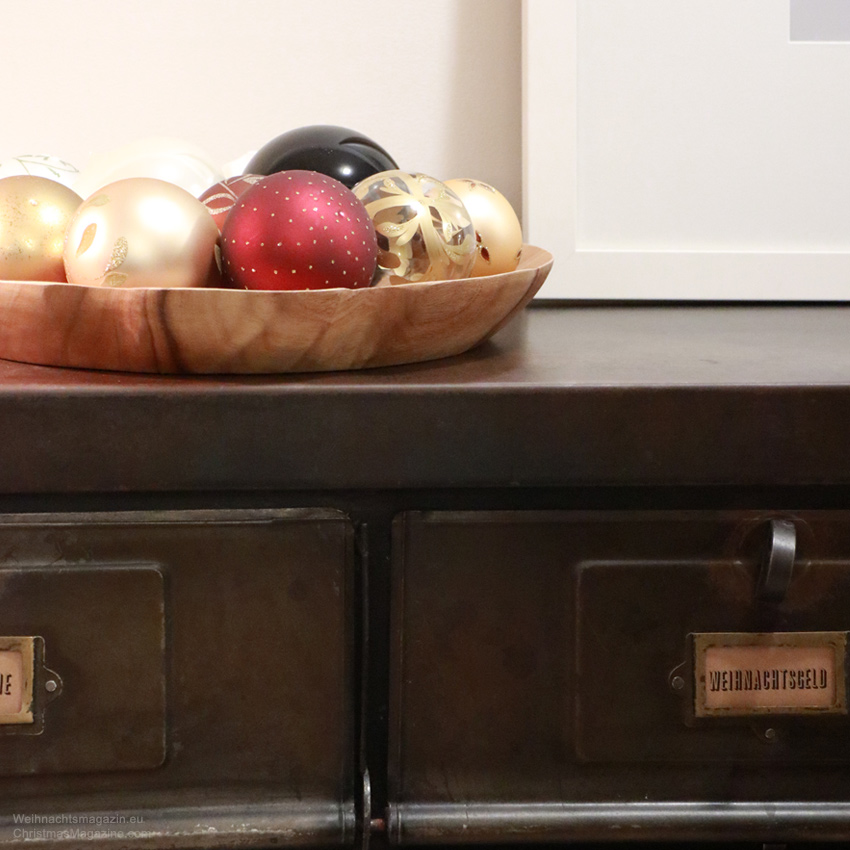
[436,82]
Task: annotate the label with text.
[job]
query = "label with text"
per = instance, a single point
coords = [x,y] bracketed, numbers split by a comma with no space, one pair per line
[11,682]
[17,671]
[770,673]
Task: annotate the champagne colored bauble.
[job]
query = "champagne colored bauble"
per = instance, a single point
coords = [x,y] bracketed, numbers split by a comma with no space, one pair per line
[40,165]
[345,155]
[34,212]
[220,198]
[142,232]
[498,233]
[172,160]
[298,230]
[424,231]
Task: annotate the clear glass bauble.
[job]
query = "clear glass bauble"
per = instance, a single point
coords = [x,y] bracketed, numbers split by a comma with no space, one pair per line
[424,231]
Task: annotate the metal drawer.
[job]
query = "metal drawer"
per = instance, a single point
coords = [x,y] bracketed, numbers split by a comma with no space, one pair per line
[544,678]
[203,678]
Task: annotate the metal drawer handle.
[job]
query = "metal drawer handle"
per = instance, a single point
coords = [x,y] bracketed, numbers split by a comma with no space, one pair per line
[775,574]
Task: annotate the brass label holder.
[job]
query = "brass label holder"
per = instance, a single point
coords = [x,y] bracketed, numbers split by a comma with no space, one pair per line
[738,674]
[17,676]
[26,684]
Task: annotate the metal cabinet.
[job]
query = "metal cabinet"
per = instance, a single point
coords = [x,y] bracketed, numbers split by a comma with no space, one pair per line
[192,678]
[237,671]
[548,678]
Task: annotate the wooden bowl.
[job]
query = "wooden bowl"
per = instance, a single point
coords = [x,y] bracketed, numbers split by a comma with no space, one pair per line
[219,331]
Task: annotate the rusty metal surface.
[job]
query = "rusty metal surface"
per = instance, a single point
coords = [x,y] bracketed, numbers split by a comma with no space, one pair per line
[256,657]
[532,690]
[565,396]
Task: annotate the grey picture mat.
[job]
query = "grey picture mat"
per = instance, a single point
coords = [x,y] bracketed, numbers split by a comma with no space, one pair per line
[820,20]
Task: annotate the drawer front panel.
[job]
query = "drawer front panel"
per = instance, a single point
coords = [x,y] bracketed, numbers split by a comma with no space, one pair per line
[204,670]
[547,658]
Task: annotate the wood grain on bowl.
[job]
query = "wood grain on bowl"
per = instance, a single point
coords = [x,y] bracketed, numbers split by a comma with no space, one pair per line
[220,331]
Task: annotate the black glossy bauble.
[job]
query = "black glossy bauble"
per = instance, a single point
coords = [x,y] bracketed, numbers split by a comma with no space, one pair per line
[338,152]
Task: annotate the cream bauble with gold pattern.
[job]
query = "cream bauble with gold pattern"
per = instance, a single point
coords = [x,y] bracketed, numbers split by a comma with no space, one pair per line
[34,212]
[142,232]
[498,233]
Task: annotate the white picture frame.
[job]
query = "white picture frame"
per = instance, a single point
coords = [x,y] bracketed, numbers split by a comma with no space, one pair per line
[726,235]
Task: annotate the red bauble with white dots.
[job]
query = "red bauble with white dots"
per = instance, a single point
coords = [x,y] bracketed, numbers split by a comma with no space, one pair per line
[298,230]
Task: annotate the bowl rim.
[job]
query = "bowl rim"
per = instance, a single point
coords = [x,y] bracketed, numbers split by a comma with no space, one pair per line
[545,259]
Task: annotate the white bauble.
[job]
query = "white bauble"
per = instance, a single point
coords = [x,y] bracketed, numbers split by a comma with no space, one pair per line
[172,160]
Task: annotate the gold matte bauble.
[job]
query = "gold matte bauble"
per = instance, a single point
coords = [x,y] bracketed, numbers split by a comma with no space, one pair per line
[34,212]
[142,232]
[498,233]
[424,231]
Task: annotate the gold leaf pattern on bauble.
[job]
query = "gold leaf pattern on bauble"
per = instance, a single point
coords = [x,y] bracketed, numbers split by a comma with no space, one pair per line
[115,279]
[119,254]
[86,239]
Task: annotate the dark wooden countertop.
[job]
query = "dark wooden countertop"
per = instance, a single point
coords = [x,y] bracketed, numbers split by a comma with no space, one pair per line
[566,395]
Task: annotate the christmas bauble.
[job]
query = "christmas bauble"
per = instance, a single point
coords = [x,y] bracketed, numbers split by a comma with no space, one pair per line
[298,230]
[235,167]
[424,231]
[220,198]
[141,232]
[498,233]
[345,155]
[40,165]
[172,160]
[34,212]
